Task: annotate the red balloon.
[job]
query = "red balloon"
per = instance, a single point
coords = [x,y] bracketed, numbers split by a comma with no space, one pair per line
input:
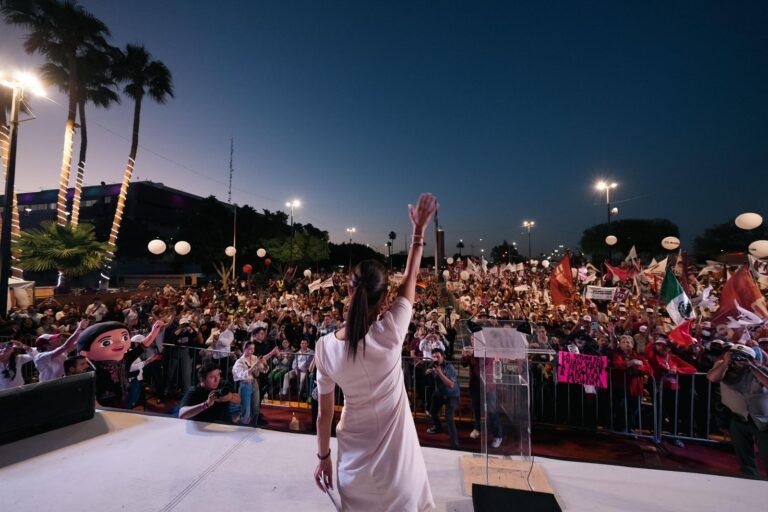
[267,262]
[247,269]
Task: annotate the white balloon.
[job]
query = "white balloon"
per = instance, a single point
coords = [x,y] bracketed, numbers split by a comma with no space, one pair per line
[446,274]
[449,261]
[759,248]
[545,263]
[611,240]
[157,246]
[261,253]
[749,220]
[464,275]
[307,273]
[670,243]
[182,248]
[230,251]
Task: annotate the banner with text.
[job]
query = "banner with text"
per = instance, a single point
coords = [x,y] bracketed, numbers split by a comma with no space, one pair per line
[600,292]
[582,369]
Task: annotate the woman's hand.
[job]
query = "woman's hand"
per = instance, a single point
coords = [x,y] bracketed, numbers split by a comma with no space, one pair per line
[422,213]
[324,473]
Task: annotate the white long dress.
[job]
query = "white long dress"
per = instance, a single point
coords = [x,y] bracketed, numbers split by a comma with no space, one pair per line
[379,460]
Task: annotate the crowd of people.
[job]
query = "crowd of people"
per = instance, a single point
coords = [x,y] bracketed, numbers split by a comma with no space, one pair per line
[218,351]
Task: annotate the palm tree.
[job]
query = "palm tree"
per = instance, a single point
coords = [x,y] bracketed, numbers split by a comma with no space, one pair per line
[72,252]
[143,77]
[6,98]
[59,29]
[95,85]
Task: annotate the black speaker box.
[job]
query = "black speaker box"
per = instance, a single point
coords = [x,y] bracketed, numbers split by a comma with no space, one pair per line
[486,498]
[36,408]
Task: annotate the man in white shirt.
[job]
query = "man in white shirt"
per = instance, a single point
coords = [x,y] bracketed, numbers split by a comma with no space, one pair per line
[51,354]
[97,310]
[301,362]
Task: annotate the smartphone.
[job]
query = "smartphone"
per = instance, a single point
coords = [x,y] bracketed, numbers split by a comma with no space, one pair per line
[328,493]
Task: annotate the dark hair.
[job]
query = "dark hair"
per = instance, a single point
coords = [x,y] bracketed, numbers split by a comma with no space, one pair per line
[245,345]
[70,362]
[89,335]
[205,369]
[368,281]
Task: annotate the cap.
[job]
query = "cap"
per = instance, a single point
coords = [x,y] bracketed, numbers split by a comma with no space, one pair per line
[649,310]
[587,318]
[745,350]
[138,338]
[643,328]
[44,339]
[662,341]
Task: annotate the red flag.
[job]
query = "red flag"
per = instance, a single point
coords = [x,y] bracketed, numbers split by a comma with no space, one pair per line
[620,273]
[561,282]
[740,288]
[682,334]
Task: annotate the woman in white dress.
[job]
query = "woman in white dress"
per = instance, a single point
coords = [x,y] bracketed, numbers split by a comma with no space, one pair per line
[380,464]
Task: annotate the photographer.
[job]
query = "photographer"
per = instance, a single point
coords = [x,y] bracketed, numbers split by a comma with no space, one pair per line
[206,402]
[744,390]
[446,393]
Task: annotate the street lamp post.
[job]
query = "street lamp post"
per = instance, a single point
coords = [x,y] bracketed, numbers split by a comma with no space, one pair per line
[607,187]
[292,204]
[350,231]
[529,224]
[18,85]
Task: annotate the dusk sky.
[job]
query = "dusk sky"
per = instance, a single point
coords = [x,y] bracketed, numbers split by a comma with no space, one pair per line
[505,111]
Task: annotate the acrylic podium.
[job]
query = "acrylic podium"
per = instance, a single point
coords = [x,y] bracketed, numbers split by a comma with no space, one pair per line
[501,355]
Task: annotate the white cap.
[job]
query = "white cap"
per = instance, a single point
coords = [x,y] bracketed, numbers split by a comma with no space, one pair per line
[643,328]
[743,349]
[138,338]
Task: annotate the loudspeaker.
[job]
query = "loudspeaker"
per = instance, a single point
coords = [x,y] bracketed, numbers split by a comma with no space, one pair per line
[36,408]
[486,498]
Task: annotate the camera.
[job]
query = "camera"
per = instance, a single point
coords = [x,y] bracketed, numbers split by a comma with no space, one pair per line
[739,357]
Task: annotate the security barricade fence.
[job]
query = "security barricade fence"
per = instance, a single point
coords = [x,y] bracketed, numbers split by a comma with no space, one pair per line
[690,411]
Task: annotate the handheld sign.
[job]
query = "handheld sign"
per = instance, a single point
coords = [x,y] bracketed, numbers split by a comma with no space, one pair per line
[582,369]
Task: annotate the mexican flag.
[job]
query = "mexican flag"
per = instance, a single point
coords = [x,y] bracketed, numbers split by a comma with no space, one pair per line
[678,304]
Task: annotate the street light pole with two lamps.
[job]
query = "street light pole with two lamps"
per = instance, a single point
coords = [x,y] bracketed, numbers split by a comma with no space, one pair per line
[529,224]
[18,83]
[607,187]
[350,231]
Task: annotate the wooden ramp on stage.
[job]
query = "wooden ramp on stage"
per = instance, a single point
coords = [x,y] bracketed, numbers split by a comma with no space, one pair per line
[124,462]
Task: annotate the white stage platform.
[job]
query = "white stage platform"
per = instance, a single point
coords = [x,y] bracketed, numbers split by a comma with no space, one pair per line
[130,462]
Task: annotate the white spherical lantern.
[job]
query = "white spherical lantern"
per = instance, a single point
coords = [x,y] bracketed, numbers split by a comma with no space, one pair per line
[230,251]
[261,253]
[446,274]
[449,261]
[611,240]
[156,246]
[464,275]
[307,273]
[670,243]
[182,248]
[759,248]
[749,220]
[545,263]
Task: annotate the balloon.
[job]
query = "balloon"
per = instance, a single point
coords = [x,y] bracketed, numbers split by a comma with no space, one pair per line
[464,275]
[267,262]
[670,243]
[247,269]
[449,261]
[545,263]
[261,253]
[749,220]
[611,240]
[446,274]
[307,273]
[230,251]
[182,248]
[157,246]
[759,248]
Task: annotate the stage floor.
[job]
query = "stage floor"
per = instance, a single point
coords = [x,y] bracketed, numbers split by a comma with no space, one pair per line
[131,462]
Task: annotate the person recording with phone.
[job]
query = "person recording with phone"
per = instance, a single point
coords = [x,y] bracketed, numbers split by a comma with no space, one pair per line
[207,401]
[446,393]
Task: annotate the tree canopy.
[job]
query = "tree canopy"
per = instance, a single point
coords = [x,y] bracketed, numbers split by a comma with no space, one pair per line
[724,238]
[644,234]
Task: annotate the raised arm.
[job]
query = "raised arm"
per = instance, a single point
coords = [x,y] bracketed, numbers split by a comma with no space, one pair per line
[420,216]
